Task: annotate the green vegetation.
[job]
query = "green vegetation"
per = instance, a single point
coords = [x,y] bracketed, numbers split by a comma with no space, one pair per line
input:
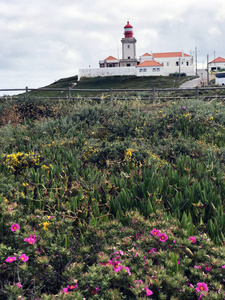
[115,82]
[112,200]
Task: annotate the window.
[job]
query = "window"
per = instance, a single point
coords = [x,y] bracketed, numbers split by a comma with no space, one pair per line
[140,70]
[158,69]
[154,69]
[167,64]
[128,65]
[187,63]
[128,46]
[145,70]
[128,57]
[177,63]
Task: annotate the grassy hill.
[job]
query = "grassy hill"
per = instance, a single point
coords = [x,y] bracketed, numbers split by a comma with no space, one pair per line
[115,82]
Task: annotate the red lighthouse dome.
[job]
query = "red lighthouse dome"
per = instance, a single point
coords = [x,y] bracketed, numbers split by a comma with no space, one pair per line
[128,30]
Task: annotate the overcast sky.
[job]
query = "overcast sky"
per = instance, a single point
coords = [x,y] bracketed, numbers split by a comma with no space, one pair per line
[42,41]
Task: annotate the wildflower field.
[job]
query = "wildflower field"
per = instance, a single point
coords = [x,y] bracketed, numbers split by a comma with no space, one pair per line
[112,200]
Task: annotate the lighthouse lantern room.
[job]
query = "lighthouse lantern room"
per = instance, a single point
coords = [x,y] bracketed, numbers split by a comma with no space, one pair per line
[128,30]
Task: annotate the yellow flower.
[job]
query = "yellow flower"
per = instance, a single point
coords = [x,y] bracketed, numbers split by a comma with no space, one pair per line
[45,225]
[45,167]
[128,152]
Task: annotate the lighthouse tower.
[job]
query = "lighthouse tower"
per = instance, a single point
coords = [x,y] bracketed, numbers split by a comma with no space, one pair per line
[128,47]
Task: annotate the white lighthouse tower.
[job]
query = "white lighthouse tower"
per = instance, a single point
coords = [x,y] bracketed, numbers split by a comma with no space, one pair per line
[128,48]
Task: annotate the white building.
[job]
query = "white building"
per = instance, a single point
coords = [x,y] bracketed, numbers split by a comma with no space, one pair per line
[148,65]
[217,64]
[149,68]
[166,63]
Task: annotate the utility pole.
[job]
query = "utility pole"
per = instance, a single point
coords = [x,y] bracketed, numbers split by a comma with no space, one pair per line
[207,69]
[179,71]
[196,60]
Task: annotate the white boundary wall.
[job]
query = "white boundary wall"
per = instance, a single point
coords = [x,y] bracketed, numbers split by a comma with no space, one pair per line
[102,72]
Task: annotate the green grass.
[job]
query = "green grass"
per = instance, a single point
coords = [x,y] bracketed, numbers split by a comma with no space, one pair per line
[115,82]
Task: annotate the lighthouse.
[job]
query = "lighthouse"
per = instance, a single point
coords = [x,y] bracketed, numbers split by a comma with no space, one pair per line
[128,47]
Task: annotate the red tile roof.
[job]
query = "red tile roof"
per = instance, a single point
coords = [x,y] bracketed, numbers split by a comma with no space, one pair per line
[218,60]
[146,54]
[169,54]
[150,63]
[110,58]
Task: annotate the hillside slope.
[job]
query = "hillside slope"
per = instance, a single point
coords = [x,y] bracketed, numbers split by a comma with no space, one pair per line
[115,82]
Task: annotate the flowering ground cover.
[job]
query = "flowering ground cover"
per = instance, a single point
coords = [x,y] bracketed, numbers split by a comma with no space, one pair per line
[112,200]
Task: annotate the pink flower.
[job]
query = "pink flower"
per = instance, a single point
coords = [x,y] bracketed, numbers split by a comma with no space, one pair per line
[192,239]
[15,227]
[148,291]
[31,239]
[223,267]
[155,231]
[198,267]
[117,268]
[72,287]
[128,270]
[94,291]
[153,251]
[138,236]
[65,291]
[202,287]
[137,282]
[19,285]
[163,237]
[23,257]
[183,107]
[10,259]
[207,269]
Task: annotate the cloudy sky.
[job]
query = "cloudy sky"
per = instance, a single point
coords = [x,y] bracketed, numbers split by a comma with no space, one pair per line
[42,41]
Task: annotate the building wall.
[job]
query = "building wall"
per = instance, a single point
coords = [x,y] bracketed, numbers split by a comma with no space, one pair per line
[150,71]
[109,63]
[171,65]
[214,66]
[116,71]
[164,71]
